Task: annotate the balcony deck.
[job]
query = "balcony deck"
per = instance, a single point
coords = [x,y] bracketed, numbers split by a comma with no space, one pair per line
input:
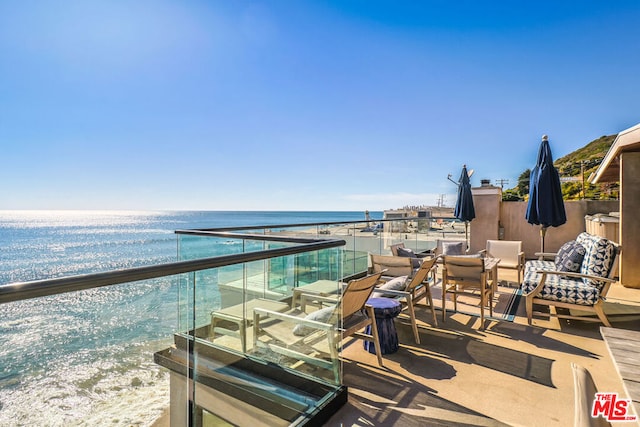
[509,374]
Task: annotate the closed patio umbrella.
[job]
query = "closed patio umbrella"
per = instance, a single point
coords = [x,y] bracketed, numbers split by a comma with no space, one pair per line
[464,210]
[546,206]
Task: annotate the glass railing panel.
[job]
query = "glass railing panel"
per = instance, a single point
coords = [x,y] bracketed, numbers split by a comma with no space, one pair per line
[374,236]
[420,234]
[309,231]
[360,239]
[255,321]
[393,235]
[215,297]
[191,246]
[196,247]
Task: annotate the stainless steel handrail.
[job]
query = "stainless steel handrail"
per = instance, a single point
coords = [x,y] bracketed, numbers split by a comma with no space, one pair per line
[39,288]
[271,226]
[232,235]
[260,227]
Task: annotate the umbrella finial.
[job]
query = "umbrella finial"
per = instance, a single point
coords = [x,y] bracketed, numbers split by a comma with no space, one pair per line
[545,138]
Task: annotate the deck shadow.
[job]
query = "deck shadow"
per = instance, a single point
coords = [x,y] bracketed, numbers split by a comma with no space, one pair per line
[455,345]
[618,316]
[535,335]
[384,398]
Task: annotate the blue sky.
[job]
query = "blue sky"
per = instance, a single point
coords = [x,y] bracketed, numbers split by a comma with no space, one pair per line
[299,105]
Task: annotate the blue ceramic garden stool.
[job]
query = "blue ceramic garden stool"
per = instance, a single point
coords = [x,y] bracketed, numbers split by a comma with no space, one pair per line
[386,309]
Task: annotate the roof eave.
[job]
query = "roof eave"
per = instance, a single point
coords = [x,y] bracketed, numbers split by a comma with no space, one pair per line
[608,170]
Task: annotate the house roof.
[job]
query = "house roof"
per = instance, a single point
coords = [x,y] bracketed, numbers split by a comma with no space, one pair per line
[609,170]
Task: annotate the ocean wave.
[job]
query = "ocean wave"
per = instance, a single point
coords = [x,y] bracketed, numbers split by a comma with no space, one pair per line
[132,391]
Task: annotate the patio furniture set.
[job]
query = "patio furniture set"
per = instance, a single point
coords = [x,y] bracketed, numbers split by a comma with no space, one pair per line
[578,277]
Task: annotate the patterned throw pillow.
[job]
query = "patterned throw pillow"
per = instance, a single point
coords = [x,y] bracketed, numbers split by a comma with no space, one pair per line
[570,257]
[598,260]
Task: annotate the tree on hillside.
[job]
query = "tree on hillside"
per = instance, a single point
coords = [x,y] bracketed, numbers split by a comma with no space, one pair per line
[523,183]
[579,165]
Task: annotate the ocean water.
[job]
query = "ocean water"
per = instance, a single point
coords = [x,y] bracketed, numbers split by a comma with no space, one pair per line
[86,358]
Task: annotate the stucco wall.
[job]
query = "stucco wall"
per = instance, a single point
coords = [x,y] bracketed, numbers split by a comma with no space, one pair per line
[486,202]
[516,227]
[492,212]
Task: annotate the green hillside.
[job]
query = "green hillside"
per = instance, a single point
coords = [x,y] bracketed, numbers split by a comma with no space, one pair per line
[575,169]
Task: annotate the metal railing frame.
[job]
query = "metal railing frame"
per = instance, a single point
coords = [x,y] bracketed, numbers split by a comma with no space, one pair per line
[39,288]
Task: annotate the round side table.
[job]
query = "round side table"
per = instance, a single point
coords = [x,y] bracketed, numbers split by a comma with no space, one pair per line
[385,309]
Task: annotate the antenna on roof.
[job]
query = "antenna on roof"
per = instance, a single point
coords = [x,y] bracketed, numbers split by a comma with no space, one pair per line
[469,173]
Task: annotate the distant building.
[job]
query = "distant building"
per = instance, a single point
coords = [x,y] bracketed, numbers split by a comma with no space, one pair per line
[418,218]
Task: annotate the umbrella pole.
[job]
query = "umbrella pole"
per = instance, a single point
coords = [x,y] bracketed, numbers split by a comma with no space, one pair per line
[543,232]
[466,234]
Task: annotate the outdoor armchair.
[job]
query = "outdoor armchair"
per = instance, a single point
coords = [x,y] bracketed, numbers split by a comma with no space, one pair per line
[314,338]
[578,278]
[466,275]
[510,254]
[392,266]
[240,315]
[410,290]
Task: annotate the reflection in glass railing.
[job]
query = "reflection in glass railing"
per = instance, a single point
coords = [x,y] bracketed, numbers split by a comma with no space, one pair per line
[87,357]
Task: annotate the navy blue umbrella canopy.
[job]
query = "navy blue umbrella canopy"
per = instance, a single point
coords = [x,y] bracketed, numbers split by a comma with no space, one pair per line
[546,206]
[464,210]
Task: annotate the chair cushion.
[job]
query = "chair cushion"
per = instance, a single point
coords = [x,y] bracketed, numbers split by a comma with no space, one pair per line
[584,238]
[395,284]
[598,259]
[557,288]
[535,264]
[323,315]
[530,280]
[561,289]
[452,248]
[570,257]
[408,253]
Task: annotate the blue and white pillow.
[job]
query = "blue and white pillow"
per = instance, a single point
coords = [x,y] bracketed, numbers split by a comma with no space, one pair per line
[570,256]
[598,259]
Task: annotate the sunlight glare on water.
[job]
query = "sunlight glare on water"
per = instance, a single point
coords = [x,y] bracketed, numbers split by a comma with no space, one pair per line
[86,358]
